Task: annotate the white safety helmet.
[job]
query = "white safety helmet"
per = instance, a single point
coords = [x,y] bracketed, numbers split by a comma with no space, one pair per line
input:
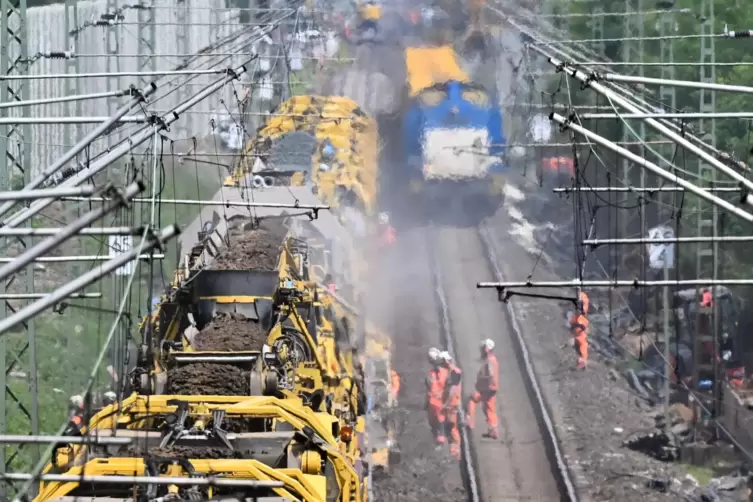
[445,356]
[76,401]
[110,395]
[487,344]
[384,218]
[434,354]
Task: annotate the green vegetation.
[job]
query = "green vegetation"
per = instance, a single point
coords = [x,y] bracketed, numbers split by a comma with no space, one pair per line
[733,136]
[68,344]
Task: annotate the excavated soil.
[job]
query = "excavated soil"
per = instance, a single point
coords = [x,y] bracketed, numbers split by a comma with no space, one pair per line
[208,379]
[230,332]
[257,249]
[193,452]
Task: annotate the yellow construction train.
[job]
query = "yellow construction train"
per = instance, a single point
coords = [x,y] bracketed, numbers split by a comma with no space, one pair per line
[248,381]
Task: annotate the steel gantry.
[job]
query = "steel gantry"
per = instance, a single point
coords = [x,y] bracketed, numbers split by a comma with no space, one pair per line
[707,255]
[112,33]
[597,28]
[668,99]
[147,35]
[632,52]
[16,163]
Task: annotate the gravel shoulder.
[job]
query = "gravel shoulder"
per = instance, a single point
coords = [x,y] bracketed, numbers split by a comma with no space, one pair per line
[586,406]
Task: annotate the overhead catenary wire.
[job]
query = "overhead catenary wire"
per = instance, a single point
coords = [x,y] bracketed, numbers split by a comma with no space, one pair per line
[123,148]
[724,157]
[652,122]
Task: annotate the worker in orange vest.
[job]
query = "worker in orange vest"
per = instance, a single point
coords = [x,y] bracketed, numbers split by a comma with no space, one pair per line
[579,326]
[487,385]
[395,383]
[77,415]
[707,299]
[452,401]
[435,384]
[584,302]
[387,234]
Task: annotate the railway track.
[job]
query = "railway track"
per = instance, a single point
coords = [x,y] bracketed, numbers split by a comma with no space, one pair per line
[514,468]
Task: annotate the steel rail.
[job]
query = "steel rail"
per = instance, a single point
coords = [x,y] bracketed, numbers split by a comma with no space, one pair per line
[469,460]
[567,486]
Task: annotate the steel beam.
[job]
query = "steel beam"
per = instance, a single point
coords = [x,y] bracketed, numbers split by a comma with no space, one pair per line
[669,82]
[627,104]
[148,480]
[675,240]
[71,259]
[16,164]
[36,296]
[679,116]
[147,27]
[123,148]
[737,190]
[79,283]
[17,195]
[112,33]
[44,232]
[577,283]
[132,119]
[109,440]
[653,167]
[707,254]
[35,253]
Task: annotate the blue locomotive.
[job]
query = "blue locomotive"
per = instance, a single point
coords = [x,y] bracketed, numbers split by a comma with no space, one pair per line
[452,137]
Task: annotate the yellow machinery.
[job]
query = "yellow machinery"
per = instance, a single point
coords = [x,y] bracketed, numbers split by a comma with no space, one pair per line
[377,362]
[301,386]
[295,451]
[336,151]
[427,66]
[299,356]
[369,11]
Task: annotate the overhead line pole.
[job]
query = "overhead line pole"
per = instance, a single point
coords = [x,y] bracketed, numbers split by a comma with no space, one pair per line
[653,167]
[16,163]
[583,77]
[707,256]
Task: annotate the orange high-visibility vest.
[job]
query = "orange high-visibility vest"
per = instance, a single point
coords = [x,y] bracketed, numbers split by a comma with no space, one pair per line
[395,382]
[389,236]
[435,384]
[580,325]
[706,299]
[453,390]
[488,374]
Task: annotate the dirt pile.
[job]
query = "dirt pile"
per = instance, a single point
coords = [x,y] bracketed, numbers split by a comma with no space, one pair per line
[232,333]
[194,452]
[208,379]
[257,249]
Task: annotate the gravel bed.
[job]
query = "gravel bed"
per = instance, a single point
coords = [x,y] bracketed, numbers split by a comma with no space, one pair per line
[594,410]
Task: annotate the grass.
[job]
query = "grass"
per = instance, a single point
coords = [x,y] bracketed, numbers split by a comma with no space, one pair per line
[67,344]
[704,474]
